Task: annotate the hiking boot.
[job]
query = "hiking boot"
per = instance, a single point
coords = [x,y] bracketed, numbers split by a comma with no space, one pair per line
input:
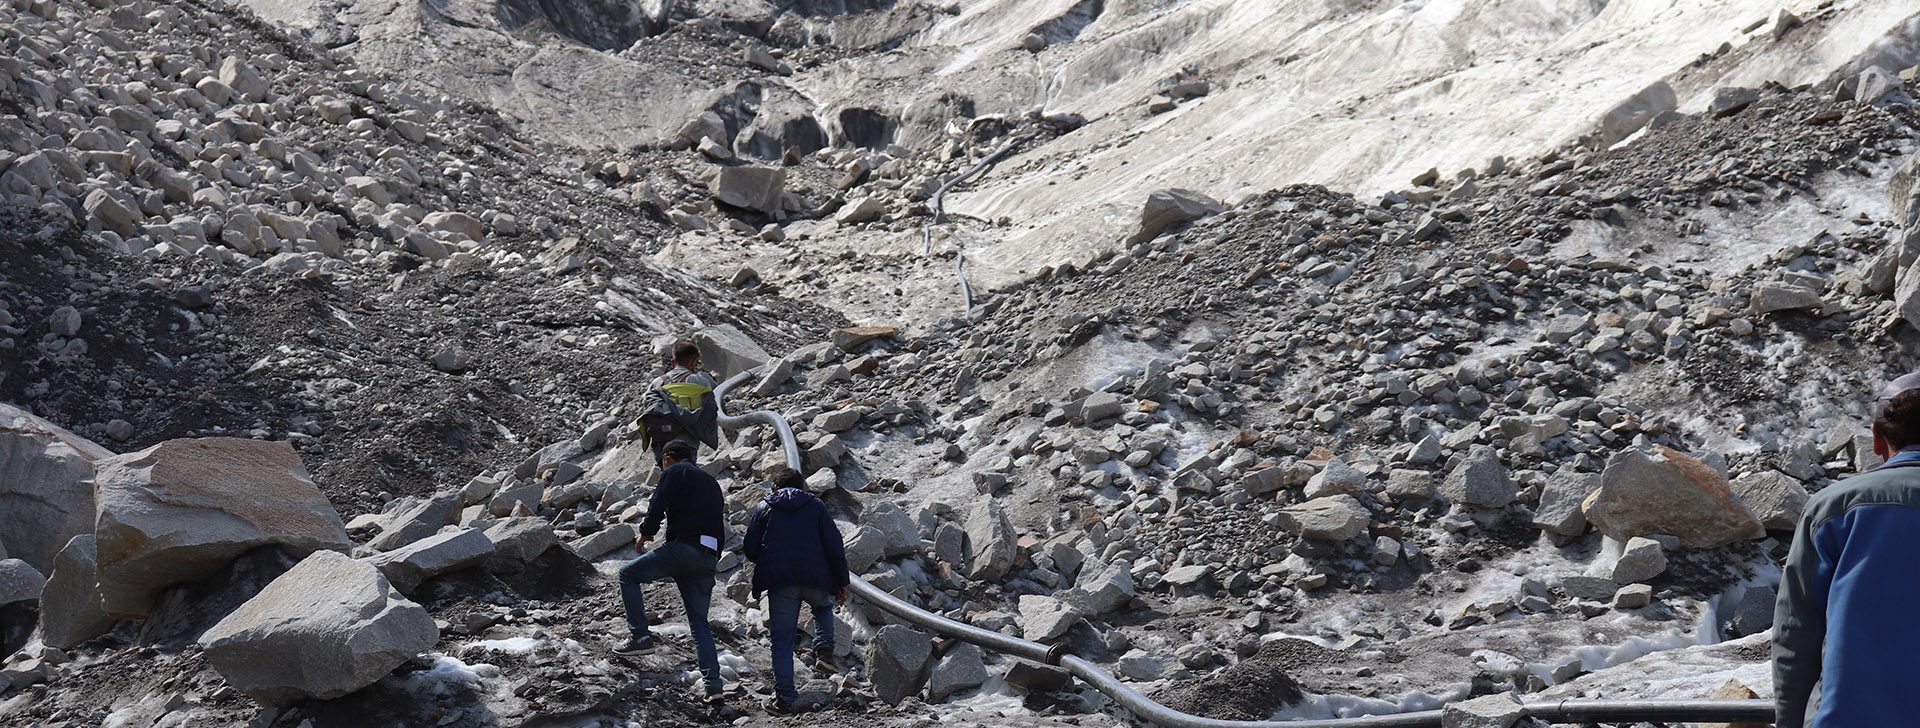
[640,645]
[713,694]
[777,706]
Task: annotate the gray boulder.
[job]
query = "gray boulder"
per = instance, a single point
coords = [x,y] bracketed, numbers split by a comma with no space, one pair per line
[1665,491]
[1333,518]
[326,628]
[1640,560]
[517,542]
[406,567]
[1901,196]
[1492,711]
[1559,509]
[1107,589]
[19,582]
[1044,619]
[1755,612]
[1730,100]
[181,510]
[990,542]
[864,209]
[899,659]
[1480,480]
[902,534]
[70,604]
[420,518]
[865,547]
[603,542]
[246,82]
[1771,297]
[726,351]
[1034,677]
[1170,207]
[46,486]
[963,668]
[1337,477]
[753,188]
[1777,499]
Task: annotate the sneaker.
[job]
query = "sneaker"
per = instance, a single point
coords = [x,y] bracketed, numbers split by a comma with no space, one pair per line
[636,646]
[822,666]
[714,694]
[777,706]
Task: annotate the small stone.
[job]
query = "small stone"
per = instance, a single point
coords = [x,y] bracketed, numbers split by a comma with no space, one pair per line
[1730,100]
[1333,518]
[452,360]
[1633,596]
[1044,619]
[1777,499]
[1480,480]
[1492,711]
[865,209]
[1641,559]
[64,321]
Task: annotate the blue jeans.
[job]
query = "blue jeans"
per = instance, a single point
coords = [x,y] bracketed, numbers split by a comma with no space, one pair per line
[783,608]
[691,568]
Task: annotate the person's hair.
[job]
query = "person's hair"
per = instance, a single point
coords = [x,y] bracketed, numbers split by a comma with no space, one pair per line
[685,351]
[1899,421]
[678,450]
[789,478]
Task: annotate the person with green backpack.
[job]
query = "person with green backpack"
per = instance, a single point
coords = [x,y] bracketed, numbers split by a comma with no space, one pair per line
[681,406]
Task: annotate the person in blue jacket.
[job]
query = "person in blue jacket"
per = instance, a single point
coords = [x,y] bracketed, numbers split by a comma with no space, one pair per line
[1843,623]
[797,557]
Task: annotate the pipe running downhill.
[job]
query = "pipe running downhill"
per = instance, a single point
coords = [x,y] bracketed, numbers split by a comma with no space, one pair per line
[1152,711]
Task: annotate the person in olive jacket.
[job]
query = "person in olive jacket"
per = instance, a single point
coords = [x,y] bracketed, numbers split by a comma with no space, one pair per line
[797,557]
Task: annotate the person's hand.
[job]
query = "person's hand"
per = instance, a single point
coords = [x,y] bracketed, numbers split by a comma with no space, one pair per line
[840,597]
[640,545]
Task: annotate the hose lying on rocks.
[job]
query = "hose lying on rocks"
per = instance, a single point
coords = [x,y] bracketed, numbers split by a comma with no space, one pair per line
[1151,711]
[940,216]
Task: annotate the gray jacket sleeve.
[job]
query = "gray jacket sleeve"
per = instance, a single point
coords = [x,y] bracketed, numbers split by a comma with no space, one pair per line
[1799,628]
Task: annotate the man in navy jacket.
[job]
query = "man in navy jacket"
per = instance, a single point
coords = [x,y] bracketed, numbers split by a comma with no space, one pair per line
[1844,620]
[797,557]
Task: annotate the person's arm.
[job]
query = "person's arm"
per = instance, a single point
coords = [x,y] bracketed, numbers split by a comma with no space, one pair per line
[756,533]
[657,506]
[1800,626]
[836,551]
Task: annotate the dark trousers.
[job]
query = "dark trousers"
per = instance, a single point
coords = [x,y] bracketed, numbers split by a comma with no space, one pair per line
[691,568]
[783,615]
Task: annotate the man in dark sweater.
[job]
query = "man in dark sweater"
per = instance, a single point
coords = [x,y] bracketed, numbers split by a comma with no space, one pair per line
[689,500]
[797,558]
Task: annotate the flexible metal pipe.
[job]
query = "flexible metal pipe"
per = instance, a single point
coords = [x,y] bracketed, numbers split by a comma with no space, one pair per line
[1653,711]
[788,443]
[1151,711]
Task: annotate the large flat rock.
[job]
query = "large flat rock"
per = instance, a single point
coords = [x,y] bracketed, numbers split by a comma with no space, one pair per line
[46,486]
[1666,491]
[328,627]
[182,509]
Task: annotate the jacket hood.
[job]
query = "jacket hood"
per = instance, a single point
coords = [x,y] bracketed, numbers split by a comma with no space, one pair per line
[790,499]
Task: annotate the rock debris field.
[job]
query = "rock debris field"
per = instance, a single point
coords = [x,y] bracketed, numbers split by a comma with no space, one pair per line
[318,388]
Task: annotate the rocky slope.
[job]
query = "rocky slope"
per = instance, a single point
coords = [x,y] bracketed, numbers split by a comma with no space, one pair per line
[1535,427]
[1356,96]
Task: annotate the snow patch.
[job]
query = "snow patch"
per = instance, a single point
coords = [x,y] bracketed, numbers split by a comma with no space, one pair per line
[1327,707]
[510,644]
